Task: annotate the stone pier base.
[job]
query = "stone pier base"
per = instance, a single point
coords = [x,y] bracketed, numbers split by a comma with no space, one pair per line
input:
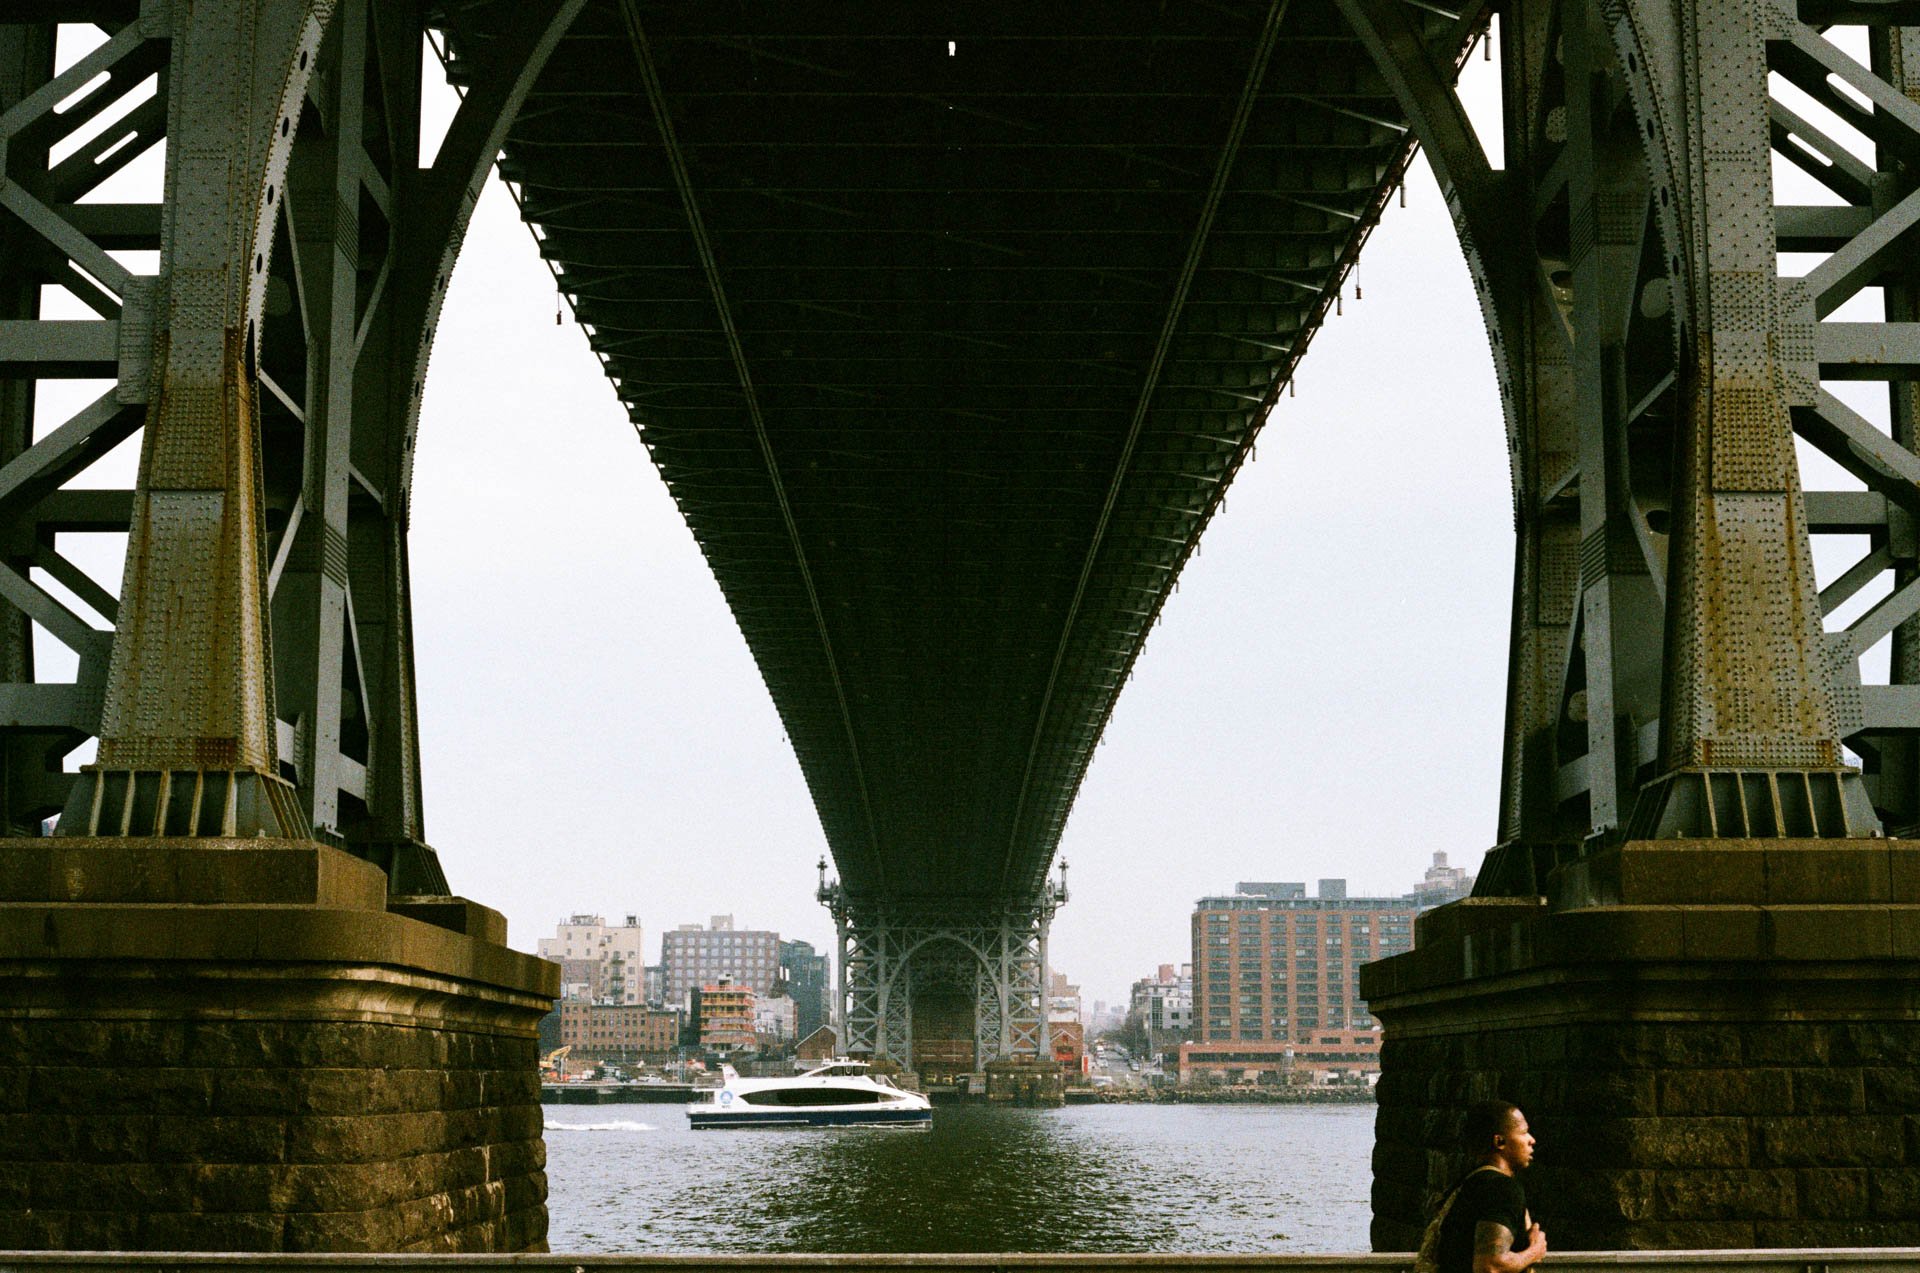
[246,1046]
[1717,1044]
[1025,1083]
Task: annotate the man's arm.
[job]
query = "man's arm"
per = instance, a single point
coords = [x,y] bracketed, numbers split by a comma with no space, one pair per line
[1493,1248]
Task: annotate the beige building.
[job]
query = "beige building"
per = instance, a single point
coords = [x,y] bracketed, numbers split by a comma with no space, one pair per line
[776,1021]
[607,959]
[1321,1056]
[1162,1006]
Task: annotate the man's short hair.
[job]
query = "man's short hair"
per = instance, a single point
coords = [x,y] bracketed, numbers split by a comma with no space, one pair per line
[1485,1120]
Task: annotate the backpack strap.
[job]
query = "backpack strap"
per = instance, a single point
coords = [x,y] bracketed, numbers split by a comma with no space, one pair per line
[1427,1258]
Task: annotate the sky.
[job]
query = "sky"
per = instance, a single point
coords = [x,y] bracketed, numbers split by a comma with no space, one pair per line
[1322,699]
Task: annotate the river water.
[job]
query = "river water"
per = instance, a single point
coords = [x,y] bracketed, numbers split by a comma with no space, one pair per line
[1086,1178]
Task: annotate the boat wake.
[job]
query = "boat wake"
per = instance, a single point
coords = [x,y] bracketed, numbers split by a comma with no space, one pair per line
[619,1126]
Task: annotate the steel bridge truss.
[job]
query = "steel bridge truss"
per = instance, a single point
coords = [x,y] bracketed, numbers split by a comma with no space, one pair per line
[1676,669]
[272,365]
[892,951]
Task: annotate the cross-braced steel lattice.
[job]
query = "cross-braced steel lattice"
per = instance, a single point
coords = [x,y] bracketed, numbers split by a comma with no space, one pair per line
[1664,328]
[889,952]
[259,675]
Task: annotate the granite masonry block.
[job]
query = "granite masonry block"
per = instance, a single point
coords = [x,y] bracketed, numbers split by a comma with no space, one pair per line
[1828,1142]
[1683,1235]
[1876,1043]
[1691,1046]
[1625,1194]
[1627,1091]
[1904,925]
[196,1138]
[227,1231]
[1837,1233]
[1664,1142]
[1725,1091]
[1829,1091]
[1754,1194]
[1717,932]
[109,1138]
[257,1091]
[103,1230]
[77,1089]
[1895,1194]
[15,1085]
[374,1137]
[1838,1193]
[1903,870]
[1830,933]
[32,1230]
[1789,1043]
[1812,872]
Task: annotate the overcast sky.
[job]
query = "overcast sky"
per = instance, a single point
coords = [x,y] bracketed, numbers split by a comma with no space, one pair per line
[1322,699]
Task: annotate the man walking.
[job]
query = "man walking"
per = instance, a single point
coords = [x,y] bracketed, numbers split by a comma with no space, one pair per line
[1485,1226]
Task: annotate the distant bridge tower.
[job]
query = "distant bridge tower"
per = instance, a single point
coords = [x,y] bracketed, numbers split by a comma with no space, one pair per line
[897,961]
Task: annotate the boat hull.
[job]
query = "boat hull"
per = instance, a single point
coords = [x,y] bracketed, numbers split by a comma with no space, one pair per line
[717,1119]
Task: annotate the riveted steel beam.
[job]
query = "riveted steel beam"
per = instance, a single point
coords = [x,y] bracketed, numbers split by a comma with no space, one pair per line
[1867,245]
[51,247]
[374,238]
[1753,683]
[188,703]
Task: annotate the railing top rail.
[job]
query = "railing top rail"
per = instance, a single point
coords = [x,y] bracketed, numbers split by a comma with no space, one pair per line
[1801,1260]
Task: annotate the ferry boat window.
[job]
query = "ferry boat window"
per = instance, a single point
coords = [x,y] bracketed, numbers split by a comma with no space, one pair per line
[812,1096]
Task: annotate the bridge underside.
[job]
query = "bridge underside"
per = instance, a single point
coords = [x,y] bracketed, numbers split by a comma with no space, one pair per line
[947,331]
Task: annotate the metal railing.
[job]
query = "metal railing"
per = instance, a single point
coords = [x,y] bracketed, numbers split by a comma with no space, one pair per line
[1810,1260]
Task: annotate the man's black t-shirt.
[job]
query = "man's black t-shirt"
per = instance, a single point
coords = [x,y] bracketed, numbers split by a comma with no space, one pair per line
[1485,1195]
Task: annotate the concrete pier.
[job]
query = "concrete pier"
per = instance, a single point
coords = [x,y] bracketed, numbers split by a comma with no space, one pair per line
[245,1045]
[1025,1083]
[1717,1043]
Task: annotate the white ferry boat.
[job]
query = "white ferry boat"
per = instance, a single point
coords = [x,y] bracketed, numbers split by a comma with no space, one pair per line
[837,1094]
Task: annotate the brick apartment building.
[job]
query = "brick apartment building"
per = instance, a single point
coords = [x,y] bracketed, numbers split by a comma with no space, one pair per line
[1322,1054]
[619,1031]
[1276,987]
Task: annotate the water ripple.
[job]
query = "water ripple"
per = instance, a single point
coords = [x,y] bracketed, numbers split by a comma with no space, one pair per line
[1099,1178]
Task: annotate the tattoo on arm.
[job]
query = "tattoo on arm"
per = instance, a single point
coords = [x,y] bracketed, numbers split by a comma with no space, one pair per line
[1490,1242]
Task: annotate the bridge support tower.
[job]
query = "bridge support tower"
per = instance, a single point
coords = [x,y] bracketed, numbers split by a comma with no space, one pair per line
[1692,958]
[940,990]
[239,1007]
